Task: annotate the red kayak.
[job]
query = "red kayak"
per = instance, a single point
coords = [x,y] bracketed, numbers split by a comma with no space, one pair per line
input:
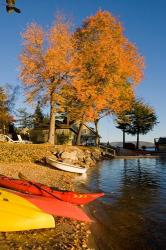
[55,207]
[46,191]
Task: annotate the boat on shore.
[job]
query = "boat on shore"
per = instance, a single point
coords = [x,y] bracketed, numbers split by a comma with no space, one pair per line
[65,166]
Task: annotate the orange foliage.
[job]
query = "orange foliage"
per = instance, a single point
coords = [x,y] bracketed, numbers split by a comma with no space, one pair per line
[108,66]
[88,72]
[46,64]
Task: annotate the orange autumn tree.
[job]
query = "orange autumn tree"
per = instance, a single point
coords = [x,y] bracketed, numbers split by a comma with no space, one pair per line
[77,110]
[46,64]
[92,110]
[108,67]
[114,104]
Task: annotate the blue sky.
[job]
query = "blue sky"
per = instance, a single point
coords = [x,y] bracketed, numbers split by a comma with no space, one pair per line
[144,23]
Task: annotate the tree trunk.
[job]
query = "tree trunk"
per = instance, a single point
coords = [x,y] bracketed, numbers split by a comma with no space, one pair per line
[124,139]
[78,141]
[97,140]
[4,129]
[68,119]
[51,137]
[137,146]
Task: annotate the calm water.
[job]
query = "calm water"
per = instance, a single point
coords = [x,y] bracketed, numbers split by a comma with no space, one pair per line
[133,213]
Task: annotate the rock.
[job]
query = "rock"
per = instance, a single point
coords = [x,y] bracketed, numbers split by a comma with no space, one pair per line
[69,161]
[89,162]
[96,154]
[70,155]
[81,155]
[87,152]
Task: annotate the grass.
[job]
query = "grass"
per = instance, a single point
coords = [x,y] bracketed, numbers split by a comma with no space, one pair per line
[12,152]
[31,153]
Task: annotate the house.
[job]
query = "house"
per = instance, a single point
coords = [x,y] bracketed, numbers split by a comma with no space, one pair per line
[88,136]
[160,144]
[65,134]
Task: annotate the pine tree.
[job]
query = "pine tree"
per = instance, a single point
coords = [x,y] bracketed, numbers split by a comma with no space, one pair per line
[38,116]
[24,118]
[139,120]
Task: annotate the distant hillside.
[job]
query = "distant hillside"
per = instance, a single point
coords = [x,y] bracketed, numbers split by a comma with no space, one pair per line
[141,143]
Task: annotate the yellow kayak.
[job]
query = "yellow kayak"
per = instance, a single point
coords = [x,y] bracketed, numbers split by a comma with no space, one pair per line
[16,214]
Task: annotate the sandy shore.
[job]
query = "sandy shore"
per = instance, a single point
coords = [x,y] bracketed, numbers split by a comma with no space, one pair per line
[67,234]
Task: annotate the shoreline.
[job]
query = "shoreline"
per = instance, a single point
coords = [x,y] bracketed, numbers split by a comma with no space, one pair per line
[67,234]
[91,239]
[30,161]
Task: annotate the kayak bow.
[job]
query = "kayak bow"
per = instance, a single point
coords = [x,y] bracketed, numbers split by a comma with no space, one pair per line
[31,187]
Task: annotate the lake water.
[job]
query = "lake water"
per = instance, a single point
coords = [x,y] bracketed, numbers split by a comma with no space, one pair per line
[132,215]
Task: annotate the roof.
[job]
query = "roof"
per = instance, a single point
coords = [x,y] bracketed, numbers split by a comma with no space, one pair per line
[92,130]
[61,125]
[65,126]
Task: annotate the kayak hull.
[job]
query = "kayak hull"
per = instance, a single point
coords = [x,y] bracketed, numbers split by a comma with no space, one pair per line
[53,206]
[46,191]
[58,208]
[17,214]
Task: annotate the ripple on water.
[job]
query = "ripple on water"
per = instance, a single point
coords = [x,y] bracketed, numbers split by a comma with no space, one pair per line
[132,214]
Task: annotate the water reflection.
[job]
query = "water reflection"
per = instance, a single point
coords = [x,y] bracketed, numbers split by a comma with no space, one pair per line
[132,215]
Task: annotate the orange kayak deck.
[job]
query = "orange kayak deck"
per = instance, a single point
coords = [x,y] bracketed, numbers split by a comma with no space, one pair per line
[46,191]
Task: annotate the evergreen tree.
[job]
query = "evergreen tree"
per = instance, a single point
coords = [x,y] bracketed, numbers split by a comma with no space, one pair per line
[38,117]
[141,119]
[24,118]
[123,121]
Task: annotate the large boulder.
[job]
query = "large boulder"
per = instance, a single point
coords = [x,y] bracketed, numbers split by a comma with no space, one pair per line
[81,155]
[96,154]
[78,156]
[72,156]
[89,162]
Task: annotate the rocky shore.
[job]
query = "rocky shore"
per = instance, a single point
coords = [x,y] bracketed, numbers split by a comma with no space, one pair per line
[67,234]
[79,155]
